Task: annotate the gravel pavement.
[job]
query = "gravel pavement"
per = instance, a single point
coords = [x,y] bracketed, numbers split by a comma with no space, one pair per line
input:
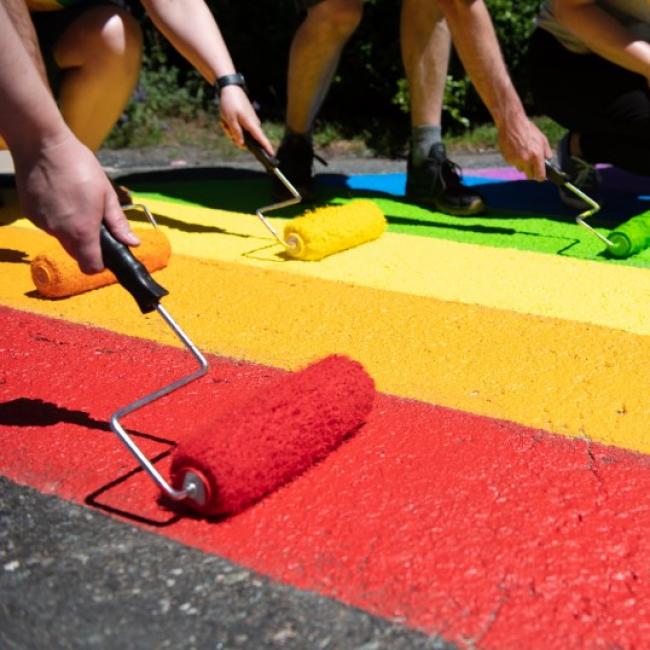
[72,578]
[122,161]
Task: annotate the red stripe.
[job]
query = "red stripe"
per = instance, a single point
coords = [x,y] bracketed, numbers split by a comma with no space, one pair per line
[477,529]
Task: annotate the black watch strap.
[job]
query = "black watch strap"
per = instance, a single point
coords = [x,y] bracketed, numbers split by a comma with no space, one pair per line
[234,79]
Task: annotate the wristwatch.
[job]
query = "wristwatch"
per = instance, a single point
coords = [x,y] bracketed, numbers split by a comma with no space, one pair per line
[234,79]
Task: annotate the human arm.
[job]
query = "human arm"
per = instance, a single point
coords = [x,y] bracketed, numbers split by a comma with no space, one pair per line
[61,185]
[522,144]
[604,34]
[25,28]
[191,28]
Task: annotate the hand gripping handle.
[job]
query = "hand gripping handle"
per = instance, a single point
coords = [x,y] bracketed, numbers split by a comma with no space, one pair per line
[555,175]
[130,273]
[269,162]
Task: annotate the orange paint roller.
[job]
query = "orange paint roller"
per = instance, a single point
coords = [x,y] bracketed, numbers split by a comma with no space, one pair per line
[322,231]
[263,441]
[56,275]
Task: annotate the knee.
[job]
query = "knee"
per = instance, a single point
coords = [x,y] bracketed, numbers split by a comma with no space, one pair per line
[340,17]
[120,39]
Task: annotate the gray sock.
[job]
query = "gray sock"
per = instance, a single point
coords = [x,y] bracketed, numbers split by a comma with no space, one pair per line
[422,139]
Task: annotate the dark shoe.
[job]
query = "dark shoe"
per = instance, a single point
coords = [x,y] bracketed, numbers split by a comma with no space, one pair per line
[296,157]
[437,183]
[581,174]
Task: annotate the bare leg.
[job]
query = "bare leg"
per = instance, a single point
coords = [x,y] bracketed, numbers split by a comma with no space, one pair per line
[314,57]
[100,56]
[425,42]
[432,180]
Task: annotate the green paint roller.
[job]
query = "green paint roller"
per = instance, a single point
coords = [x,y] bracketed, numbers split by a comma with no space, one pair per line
[561,180]
[630,237]
[626,240]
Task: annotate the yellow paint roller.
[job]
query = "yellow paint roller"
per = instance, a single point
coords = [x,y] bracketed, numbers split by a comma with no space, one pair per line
[56,275]
[322,231]
[334,228]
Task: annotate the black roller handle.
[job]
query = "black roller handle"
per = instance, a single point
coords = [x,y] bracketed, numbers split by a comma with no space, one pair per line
[270,163]
[130,272]
[555,175]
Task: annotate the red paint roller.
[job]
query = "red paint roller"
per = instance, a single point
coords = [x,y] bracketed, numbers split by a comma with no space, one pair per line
[266,439]
[273,437]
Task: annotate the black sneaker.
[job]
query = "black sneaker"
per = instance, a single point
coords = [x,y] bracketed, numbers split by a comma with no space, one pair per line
[437,183]
[580,173]
[296,157]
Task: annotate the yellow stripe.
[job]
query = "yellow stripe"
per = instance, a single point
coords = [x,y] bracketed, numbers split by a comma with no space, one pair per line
[528,283]
[569,377]
[617,297]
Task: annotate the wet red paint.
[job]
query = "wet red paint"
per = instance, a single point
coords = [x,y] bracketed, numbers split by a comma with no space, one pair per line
[480,530]
[273,435]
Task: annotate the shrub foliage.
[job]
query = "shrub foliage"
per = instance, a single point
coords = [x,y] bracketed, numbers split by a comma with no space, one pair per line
[369,91]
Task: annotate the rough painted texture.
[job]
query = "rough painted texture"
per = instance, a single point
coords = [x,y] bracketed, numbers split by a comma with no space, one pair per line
[56,275]
[490,533]
[332,229]
[524,282]
[523,215]
[270,437]
[567,377]
[494,535]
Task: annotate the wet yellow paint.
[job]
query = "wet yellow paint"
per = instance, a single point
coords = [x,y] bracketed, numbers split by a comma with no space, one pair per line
[569,377]
[529,283]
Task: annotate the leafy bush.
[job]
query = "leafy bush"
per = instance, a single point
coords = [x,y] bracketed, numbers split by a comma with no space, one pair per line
[369,95]
[164,90]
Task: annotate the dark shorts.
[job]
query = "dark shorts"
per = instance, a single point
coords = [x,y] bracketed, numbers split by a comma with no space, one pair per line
[50,26]
[303,5]
[606,104]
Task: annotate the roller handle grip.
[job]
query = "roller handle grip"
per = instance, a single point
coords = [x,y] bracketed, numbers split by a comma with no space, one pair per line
[555,175]
[130,272]
[269,162]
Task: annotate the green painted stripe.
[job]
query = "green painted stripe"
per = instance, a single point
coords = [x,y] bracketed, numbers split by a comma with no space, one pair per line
[521,231]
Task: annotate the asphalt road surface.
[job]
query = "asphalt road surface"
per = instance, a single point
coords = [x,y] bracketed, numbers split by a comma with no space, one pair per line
[74,578]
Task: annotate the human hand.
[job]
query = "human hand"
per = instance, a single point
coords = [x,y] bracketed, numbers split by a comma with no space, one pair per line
[525,147]
[237,115]
[64,190]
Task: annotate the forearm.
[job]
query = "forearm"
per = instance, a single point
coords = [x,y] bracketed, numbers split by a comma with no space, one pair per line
[478,48]
[29,117]
[604,35]
[22,21]
[191,29]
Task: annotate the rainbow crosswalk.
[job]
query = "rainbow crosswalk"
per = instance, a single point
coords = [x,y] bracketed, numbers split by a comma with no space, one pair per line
[516,479]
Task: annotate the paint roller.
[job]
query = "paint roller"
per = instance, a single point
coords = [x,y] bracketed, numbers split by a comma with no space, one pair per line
[261,442]
[630,237]
[561,180]
[322,231]
[627,239]
[56,275]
